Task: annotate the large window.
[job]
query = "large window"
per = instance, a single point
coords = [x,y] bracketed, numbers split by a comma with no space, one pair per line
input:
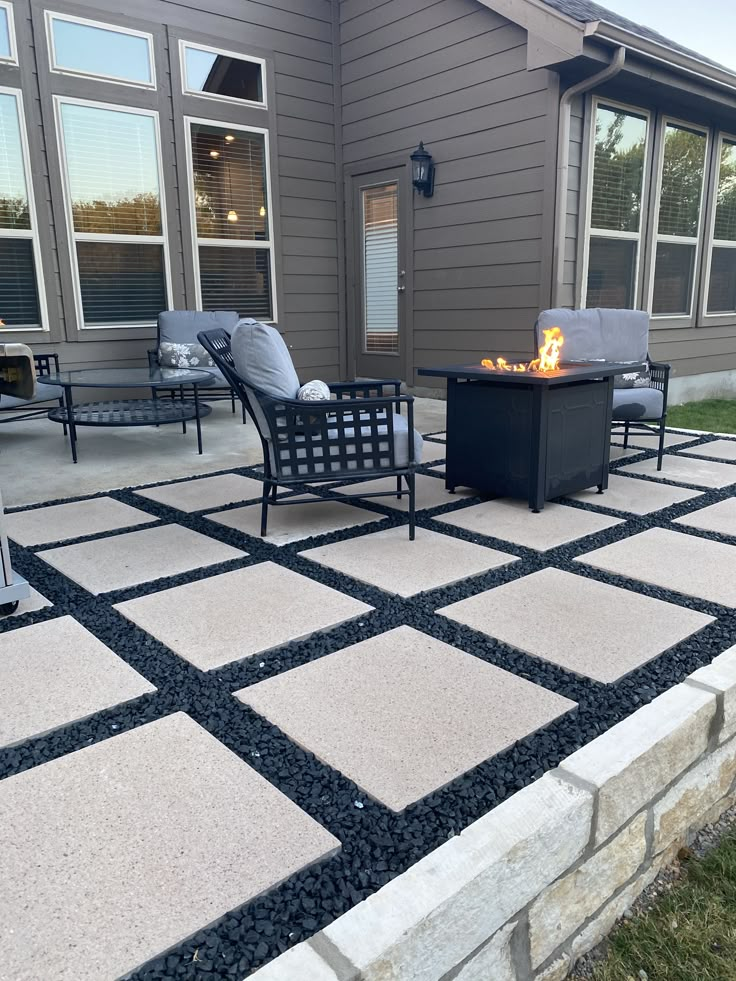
[219,74]
[231,207]
[111,161]
[619,160]
[88,47]
[722,274]
[21,293]
[680,207]
[7,34]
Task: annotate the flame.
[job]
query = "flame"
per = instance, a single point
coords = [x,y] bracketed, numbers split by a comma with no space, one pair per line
[548,360]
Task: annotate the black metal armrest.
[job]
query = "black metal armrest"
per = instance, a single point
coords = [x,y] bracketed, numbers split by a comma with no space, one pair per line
[365,389]
[42,363]
[659,372]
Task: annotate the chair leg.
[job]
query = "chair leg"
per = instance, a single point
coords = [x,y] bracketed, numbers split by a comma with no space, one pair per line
[410,479]
[274,490]
[264,508]
[245,417]
[61,406]
[232,400]
[398,488]
[626,436]
[661,442]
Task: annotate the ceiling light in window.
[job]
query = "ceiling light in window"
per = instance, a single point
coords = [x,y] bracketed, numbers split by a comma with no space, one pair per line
[229,138]
[232,215]
[262,212]
[214,154]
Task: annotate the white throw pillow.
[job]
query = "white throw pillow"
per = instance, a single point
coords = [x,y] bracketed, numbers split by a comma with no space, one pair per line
[314,391]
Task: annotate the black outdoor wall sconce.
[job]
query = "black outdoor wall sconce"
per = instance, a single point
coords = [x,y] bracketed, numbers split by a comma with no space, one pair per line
[422,171]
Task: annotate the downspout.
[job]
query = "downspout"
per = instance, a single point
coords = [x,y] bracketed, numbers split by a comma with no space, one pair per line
[563,164]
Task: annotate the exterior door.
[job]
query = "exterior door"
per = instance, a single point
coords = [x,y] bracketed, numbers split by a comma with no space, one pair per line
[378,275]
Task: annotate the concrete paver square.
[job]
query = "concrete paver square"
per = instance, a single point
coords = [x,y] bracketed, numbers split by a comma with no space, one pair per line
[139,556]
[205,492]
[388,559]
[720,518]
[673,560]
[119,851]
[438,436]
[685,470]
[514,522]
[619,453]
[721,449]
[590,628]
[403,714]
[634,496]
[73,520]
[293,522]
[652,442]
[430,492]
[234,615]
[56,672]
[34,602]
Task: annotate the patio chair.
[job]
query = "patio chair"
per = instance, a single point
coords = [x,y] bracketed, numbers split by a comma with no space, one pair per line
[639,398]
[18,407]
[357,434]
[177,346]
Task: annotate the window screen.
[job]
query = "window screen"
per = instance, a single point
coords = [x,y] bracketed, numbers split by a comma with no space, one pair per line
[722,280]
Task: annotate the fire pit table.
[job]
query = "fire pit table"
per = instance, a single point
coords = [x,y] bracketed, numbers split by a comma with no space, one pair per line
[530,434]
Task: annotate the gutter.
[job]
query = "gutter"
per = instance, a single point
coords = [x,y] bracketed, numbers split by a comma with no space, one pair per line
[563,163]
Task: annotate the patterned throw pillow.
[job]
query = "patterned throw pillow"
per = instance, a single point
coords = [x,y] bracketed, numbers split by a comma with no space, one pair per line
[172,355]
[314,391]
[634,379]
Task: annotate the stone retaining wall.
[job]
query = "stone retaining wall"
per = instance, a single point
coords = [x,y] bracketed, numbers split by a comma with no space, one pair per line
[526,890]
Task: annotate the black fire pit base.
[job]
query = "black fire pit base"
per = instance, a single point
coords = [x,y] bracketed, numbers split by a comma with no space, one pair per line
[532,436]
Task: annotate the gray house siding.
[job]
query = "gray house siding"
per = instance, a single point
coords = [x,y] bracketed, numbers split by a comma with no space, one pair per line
[296,39]
[455,77]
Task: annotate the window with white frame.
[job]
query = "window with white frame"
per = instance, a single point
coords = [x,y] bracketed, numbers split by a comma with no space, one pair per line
[8,51]
[21,288]
[216,74]
[78,46]
[679,218]
[228,173]
[615,215]
[112,167]
[722,267]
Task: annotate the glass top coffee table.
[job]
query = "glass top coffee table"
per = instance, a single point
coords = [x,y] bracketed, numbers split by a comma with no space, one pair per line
[153,411]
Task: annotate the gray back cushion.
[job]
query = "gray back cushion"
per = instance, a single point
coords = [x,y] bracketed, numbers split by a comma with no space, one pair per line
[182,326]
[599,334]
[262,360]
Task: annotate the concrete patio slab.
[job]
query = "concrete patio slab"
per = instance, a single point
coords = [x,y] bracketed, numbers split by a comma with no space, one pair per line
[721,449]
[514,522]
[34,602]
[634,496]
[619,453]
[402,714]
[201,493]
[228,617]
[73,520]
[438,436]
[116,852]
[587,627]
[680,562]
[56,672]
[388,559]
[293,522]
[139,556]
[652,442]
[685,470]
[430,492]
[720,518]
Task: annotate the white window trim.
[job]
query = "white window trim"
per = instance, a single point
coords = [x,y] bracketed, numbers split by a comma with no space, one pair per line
[12,58]
[588,230]
[32,232]
[51,16]
[678,318]
[714,243]
[230,243]
[163,239]
[184,44]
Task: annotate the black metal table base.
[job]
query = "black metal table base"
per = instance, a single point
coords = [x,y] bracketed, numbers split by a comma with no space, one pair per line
[117,413]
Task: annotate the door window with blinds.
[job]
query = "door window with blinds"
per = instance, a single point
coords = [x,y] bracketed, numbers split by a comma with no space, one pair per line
[722,270]
[20,267]
[232,223]
[380,245]
[618,181]
[111,162]
[679,214]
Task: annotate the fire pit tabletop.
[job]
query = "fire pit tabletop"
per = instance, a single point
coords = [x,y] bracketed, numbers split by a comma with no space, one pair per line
[563,375]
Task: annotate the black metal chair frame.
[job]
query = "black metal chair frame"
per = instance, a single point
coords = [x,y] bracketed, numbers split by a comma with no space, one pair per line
[43,364]
[660,379]
[355,428]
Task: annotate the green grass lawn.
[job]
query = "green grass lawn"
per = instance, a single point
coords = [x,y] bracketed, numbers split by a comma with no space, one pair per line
[712,415]
[689,935]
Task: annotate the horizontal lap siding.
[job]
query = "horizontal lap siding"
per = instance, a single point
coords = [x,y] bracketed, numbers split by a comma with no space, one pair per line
[567,296]
[454,75]
[297,36]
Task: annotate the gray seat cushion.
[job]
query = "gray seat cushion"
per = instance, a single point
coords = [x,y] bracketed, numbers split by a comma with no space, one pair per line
[631,404]
[323,451]
[599,334]
[182,326]
[44,393]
